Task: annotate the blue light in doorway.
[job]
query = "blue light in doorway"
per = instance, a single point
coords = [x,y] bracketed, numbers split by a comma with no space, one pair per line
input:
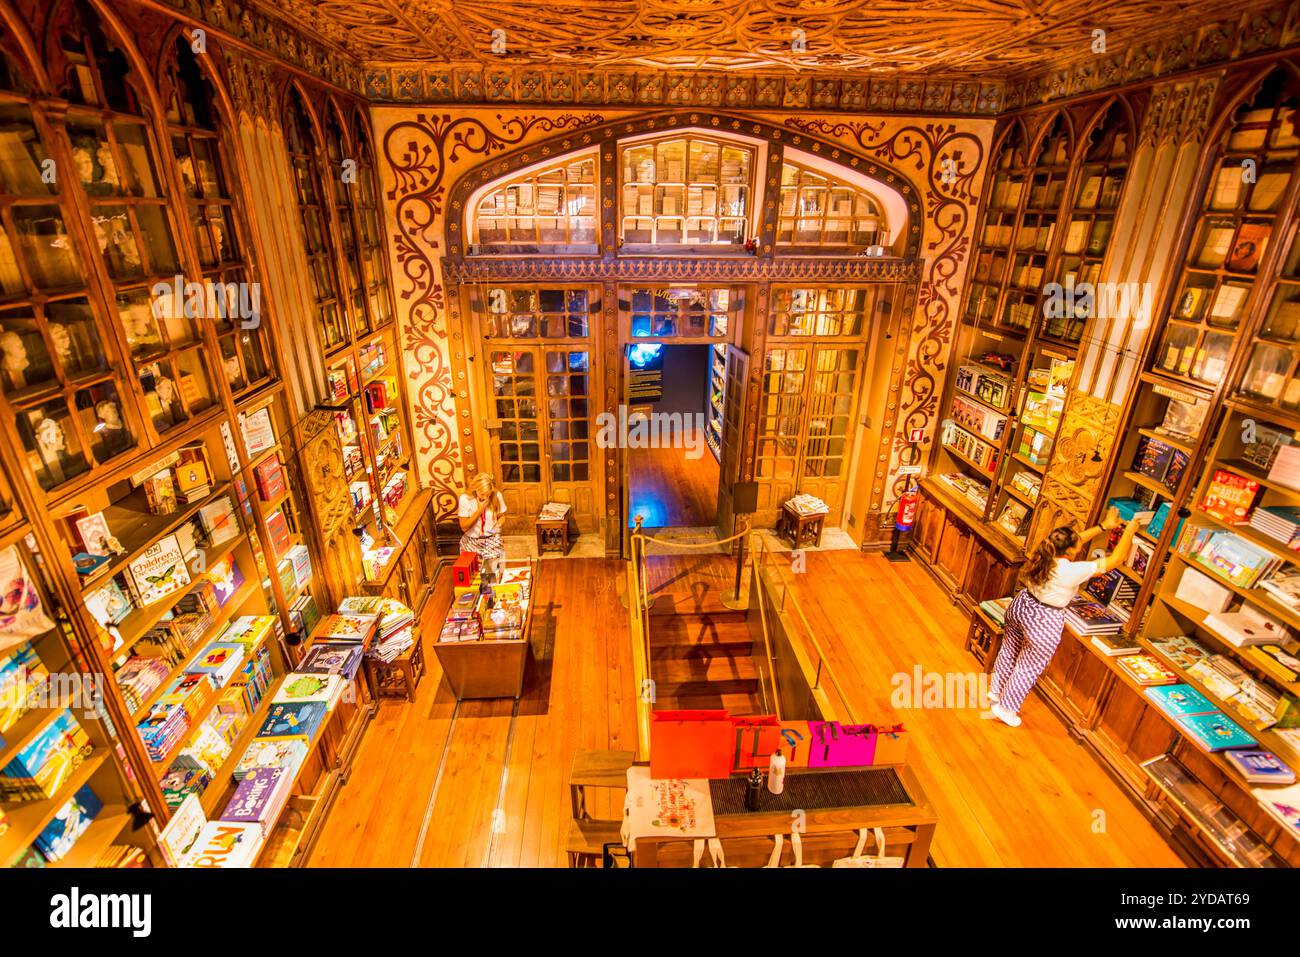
[644,354]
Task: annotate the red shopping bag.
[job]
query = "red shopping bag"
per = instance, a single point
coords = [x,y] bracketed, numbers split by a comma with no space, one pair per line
[690,744]
[755,739]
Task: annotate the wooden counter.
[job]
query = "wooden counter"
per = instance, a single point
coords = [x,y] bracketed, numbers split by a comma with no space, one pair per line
[973,560]
[892,797]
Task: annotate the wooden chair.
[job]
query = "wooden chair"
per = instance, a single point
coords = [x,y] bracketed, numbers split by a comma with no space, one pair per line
[585,841]
[586,838]
[596,769]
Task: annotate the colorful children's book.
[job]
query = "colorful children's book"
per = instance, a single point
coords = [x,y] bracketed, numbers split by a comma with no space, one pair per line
[182,830]
[220,661]
[1230,497]
[285,753]
[1179,700]
[327,659]
[298,686]
[260,797]
[159,571]
[226,579]
[293,719]
[69,823]
[1260,767]
[43,765]
[1283,804]
[1146,670]
[225,844]
[1215,731]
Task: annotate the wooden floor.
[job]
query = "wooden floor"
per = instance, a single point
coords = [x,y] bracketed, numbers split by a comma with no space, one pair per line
[670,490]
[495,795]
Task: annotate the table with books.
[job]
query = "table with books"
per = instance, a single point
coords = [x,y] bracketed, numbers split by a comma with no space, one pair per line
[554,527]
[483,646]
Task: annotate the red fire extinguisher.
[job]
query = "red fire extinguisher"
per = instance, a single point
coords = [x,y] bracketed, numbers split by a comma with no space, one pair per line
[906,514]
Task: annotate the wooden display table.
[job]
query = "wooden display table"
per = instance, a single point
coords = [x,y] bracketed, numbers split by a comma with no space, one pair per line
[490,668]
[799,529]
[835,804]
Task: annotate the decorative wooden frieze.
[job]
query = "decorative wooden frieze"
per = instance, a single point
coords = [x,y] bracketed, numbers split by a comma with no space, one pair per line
[684,269]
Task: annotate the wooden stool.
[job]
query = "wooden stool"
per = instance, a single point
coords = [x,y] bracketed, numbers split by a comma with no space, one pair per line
[400,677]
[553,535]
[984,638]
[596,769]
[799,529]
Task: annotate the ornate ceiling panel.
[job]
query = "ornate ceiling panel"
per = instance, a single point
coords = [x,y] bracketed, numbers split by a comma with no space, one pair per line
[950,38]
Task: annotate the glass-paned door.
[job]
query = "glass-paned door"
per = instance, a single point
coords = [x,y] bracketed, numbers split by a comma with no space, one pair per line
[542,442]
[541,395]
[805,425]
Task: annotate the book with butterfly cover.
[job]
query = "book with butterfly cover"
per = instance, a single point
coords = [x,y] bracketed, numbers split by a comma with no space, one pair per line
[159,571]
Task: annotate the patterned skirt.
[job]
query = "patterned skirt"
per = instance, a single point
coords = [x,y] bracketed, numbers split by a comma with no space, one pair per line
[486,547]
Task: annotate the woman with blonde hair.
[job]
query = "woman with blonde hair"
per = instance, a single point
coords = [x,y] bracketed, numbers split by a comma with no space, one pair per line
[1035,620]
[480,511]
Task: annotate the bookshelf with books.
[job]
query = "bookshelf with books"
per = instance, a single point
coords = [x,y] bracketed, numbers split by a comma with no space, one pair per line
[1089,221]
[717,388]
[1006,395]
[67,794]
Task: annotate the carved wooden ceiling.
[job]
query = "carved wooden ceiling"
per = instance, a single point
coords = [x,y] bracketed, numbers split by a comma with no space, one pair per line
[987,38]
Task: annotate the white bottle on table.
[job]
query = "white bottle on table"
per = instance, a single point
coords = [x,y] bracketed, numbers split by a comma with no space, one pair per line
[776,772]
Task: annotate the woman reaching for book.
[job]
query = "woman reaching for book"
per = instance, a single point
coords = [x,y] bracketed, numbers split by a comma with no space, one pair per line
[1035,619]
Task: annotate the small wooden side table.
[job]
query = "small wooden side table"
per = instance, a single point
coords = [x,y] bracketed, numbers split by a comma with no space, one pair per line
[400,677]
[799,529]
[553,535]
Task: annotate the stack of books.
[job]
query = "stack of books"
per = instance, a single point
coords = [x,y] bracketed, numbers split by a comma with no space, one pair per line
[553,512]
[1285,587]
[1088,618]
[1260,767]
[332,659]
[1281,522]
[300,686]
[805,504]
[1181,650]
[1245,627]
[1229,556]
[349,629]
[996,609]
[1115,646]
[394,633]
[1146,670]
[304,614]
[139,678]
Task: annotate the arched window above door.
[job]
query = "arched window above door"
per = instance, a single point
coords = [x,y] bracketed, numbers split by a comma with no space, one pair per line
[821,210]
[551,207]
[686,190]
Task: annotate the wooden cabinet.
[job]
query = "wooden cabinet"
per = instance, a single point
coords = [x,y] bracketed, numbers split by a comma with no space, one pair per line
[972,560]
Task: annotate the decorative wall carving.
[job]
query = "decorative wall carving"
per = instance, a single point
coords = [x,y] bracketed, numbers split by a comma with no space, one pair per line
[1079,462]
[418,155]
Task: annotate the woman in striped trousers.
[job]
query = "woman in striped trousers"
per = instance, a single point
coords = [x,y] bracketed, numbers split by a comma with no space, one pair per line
[1036,618]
